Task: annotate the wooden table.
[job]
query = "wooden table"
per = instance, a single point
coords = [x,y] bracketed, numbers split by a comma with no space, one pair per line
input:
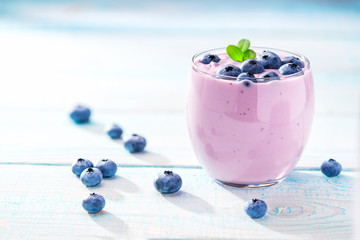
[130,65]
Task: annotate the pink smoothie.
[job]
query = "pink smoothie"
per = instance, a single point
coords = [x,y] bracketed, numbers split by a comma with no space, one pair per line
[248,135]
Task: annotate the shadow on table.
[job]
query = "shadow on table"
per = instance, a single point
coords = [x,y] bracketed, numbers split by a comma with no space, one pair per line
[124,185]
[189,202]
[110,222]
[93,127]
[151,157]
[303,203]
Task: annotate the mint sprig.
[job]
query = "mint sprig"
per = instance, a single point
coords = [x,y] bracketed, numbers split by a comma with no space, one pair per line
[241,52]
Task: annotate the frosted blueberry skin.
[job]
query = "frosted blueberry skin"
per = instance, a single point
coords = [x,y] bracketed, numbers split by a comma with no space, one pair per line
[289,68]
[94,203]
[168,182]
[255,208]
[292,59]
[268,76]
[80,165]
[107,167]
[91,177]
[269,60]
[246,76]
[252,66]
[135,144]
[331,168]
[80,114]
[114,131]
[208,58]
[229,70]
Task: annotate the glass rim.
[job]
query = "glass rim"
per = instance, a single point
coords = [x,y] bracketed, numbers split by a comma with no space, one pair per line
[221,77]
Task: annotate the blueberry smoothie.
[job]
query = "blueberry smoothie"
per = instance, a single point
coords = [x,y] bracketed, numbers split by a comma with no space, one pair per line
[249,121]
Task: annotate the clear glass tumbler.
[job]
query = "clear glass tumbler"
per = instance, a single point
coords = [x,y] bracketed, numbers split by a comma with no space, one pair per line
[248,134]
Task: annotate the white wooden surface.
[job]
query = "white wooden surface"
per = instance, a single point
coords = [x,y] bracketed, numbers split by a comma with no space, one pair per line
[129,61]
[307,205]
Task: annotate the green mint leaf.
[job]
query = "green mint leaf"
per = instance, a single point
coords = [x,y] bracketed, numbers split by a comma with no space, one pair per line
[244,45]
[249,54]
[235,53]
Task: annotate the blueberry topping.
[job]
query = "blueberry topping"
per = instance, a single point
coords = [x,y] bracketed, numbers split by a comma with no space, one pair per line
[80,165]
[289,68]
[252,66]
[331,168]
[107,167]
[292,59]
[135,144]
[228,70]
[80,114]
[91,177]
[255,208]
[168,182]
[208,58]
[268,76]
[247,84]
[269,60]
[114,131]
[94,203]
[246,76]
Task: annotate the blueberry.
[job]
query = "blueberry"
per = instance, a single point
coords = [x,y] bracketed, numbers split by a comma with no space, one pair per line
[269,60]
[107,167]
[255,208]
[80,165]
[114,131]
[80,114]
[229,70]
[331,168]
[268,76]
[252,66]
[168,182]
[135,144]
[292,59]
[91,177]
[208,58]
[246,76]
[289,68]
[94,203]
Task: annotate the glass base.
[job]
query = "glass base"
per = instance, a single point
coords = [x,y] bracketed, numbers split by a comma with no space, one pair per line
[260,185]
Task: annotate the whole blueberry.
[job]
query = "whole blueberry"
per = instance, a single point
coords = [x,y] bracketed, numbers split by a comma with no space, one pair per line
[229,70]
[91,177]
[255,208]
[246,76]
[114,131]
[252,66]
[331,168]
[292,59]
[168,182]
[80,165]
[289,68]
[107,167]
[269,76]
[269,60]
[135,144]
[94,203]
[80,114]
[208,58]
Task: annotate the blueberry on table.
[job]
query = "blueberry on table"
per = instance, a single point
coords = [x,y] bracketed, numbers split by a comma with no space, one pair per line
[208,58]
[255,208]
[292,59]
[269,60]
[114,131]
[107,167]
[229,70]
[252,66]
[268,76]
[331,168]
[80,165]
[135,143]
[80,114]
[289,68]
[246,76]
[91,177]
[94,203]
[168,182]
